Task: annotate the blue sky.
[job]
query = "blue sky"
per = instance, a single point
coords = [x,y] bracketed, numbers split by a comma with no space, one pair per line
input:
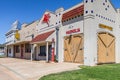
[27,11]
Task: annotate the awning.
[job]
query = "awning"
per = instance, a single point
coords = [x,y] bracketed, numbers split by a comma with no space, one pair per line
[41,37]
[19,42]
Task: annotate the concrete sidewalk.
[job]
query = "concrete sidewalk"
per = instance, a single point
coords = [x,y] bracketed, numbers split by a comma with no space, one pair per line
[28,70]
[6,74]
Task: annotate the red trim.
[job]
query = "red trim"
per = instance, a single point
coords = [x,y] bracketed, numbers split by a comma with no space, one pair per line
[42,37]
[77,11]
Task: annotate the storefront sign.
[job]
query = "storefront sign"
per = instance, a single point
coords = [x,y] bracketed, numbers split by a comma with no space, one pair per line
[17,35]
[73,31]
[46,18]
[105,27]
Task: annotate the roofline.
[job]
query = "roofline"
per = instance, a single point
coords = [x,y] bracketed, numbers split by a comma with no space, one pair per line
[16,43]
[42,34]
[39,42]
[31,23]
[113,5]
[10,31]
[73,7]
[50,11]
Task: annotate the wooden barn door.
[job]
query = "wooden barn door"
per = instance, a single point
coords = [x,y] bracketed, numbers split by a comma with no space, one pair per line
[106,48]
[73,49]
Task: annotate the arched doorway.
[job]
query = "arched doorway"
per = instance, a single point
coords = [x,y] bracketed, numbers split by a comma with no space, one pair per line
[106,48]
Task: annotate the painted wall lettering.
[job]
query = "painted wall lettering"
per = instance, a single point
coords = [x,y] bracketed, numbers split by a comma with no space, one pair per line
[73,31]
[105,27]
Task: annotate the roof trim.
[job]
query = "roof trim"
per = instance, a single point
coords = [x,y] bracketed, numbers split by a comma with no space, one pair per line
[42,37]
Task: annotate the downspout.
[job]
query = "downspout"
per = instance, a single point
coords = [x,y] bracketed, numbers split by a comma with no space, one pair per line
[57,40]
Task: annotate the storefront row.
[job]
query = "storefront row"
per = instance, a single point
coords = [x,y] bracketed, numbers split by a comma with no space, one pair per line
[73,49]
[42,47]
[41,51]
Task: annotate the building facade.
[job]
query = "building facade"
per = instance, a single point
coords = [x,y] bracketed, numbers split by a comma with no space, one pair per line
[2,48]
[90,33]
[10,38]
[87,33]
[46,38]
[22,46]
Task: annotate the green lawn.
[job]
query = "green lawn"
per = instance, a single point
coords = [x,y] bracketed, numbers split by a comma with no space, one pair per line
[101,72]
[2,56]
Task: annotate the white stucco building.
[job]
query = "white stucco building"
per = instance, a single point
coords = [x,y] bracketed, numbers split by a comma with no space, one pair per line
[87,33]
[46,34]
[10,38]
[90,33]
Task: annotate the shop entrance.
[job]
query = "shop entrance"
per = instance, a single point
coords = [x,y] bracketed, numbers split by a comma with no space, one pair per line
[73,48]
[43,52]
[106,48]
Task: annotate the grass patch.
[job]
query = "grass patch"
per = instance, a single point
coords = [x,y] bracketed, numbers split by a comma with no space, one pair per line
[2,56]
[101,72]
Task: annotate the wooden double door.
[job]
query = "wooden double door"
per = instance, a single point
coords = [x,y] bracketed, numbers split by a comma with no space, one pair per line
[106,48]
[73,49]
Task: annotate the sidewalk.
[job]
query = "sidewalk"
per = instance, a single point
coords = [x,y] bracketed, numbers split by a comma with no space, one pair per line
[34,70]
[6,74]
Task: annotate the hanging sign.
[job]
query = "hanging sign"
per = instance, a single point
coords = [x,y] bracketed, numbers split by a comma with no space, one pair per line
[17,35]
[105,27]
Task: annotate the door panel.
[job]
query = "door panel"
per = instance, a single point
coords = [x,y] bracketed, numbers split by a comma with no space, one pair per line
[73,49]
[111,52]
[101,52]
[79,51]
[103,38]
[67,56]
[106,48]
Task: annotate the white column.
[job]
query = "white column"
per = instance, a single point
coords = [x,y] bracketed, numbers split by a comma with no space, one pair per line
[37,51]
[6,51]
[47,52]
[31,51]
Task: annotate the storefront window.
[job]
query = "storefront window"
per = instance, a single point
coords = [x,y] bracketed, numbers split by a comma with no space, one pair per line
[27,48]
[42,51]
[17,49]
[9,50]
